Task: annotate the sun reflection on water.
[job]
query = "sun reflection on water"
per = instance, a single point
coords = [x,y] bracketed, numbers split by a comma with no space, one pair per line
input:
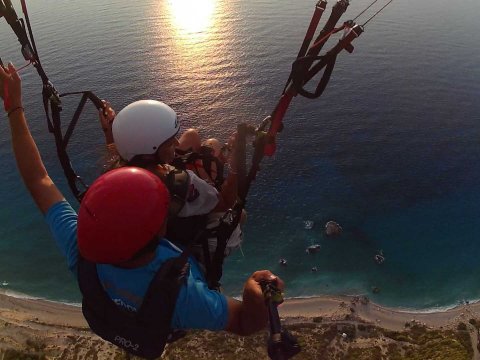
[195,52]
[192,17]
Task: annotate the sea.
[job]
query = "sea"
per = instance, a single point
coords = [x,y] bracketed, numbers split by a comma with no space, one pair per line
[391,151]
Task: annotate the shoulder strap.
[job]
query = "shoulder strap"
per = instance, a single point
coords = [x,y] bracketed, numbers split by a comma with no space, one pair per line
[177,182]
[206,156]
[208,159]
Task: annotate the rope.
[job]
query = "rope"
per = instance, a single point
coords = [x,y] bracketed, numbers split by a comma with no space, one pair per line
[327,35]
[378,12]
[24,66]
[368,7]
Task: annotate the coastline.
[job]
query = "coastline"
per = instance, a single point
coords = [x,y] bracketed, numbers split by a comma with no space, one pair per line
[330,306]
[337,307]
[57,328]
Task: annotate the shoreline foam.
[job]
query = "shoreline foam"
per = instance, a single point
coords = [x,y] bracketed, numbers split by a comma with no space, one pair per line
[343,297]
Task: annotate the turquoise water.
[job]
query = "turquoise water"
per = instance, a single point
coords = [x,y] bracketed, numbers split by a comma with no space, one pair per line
[391,151]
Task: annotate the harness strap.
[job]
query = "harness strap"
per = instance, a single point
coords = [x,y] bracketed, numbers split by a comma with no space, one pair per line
[230,220]
[228,223]
[62,154]
[51,98]
[19,29]
[30,32]
[177,184]
[279,112]
[337,11]
[299,72]
[190,157]
[319,9]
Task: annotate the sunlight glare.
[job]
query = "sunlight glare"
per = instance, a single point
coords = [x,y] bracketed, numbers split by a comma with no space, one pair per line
[192,16]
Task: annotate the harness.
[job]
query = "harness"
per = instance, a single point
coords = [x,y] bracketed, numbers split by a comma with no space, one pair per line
[192,232]
[146,332]
[190,160]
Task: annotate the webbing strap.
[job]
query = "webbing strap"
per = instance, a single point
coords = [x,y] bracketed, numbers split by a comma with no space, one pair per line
[61,141]
[230,220]
[303,70]
[228,223]
[319,9]
[51,98]
[279,112]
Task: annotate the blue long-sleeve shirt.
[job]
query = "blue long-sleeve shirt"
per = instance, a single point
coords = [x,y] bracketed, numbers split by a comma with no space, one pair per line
[197,306]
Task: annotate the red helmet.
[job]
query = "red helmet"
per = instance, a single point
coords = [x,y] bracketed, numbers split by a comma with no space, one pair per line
[120,214]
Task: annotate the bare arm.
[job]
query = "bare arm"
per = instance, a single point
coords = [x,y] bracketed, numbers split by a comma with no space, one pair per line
[29,162]
[250,315]
[106,117]
[229,190]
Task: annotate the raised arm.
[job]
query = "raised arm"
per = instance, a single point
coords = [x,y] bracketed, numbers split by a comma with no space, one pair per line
[106,117]
[229,190]
[29,162]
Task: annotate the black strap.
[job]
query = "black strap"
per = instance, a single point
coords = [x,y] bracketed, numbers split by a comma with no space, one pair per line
[299,72]
[230,220]
[177,183]
[18,28]
[51,98]
[303,70]
[228,223]
[317,14]
[303,63]
[205,154]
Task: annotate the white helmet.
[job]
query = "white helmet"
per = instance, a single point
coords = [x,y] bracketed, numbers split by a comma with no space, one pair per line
[141,127]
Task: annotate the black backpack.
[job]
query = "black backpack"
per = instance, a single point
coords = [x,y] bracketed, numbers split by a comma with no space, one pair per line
[143,333]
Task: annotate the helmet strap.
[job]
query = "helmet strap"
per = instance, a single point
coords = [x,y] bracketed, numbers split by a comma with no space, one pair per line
[158,160]
[143,160]
[142,256]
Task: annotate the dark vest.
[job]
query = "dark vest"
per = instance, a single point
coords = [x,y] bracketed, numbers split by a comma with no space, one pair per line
[143,333]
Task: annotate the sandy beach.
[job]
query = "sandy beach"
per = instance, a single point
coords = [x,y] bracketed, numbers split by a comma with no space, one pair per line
[388,318]
[50,330]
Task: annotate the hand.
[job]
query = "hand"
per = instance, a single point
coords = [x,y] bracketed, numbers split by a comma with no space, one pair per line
[261,276]
[267,275]
[106,116]
[10,87]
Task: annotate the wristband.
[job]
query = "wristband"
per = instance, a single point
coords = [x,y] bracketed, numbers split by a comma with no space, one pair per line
[15,109]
